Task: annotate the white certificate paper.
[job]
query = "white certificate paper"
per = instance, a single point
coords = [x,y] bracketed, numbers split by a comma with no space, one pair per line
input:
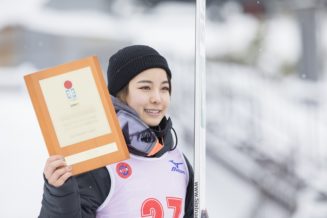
[75,106]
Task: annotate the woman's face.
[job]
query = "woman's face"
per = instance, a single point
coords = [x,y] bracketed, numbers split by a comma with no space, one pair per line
[148,94]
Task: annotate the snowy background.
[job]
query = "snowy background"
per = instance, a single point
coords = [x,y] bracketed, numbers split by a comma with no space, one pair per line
[266,106]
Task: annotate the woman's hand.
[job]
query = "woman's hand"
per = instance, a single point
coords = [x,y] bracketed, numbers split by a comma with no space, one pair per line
[56,170]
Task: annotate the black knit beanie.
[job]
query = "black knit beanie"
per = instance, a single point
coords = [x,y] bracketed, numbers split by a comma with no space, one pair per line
[129,62]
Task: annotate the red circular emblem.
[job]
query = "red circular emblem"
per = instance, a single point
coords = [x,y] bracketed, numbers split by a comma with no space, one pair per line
[124,170]
[68,84]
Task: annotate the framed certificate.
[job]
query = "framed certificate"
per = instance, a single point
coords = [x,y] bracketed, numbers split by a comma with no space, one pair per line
[76,115]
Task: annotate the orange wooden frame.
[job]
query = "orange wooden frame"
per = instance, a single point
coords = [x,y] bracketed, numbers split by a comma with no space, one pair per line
[47,128]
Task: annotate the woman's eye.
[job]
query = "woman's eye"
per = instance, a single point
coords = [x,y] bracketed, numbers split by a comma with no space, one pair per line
[165,88]
[145,87]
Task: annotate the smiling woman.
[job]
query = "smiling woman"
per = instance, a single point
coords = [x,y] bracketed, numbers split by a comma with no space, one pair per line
[148,94]
[157,179]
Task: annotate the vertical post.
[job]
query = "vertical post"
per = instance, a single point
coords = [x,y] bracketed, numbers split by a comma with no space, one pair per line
[309,63]
[199,110]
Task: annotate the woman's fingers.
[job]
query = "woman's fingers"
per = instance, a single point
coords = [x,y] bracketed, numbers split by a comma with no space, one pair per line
[63,179]
[56,171]
[53,162]
[60,176]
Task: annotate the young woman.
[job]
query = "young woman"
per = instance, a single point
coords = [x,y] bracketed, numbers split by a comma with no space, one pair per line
[157,181]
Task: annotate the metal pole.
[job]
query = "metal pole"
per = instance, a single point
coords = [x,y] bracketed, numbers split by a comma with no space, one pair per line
[200,113]
[309,63]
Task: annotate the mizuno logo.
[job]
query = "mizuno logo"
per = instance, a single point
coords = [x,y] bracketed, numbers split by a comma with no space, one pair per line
[176,168]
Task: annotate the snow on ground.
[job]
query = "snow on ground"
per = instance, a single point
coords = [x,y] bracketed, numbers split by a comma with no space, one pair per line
[23,151]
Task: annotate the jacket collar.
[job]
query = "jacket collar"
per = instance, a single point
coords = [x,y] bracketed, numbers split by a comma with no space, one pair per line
[162,131]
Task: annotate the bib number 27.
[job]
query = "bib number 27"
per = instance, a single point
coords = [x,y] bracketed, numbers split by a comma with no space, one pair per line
[152,207]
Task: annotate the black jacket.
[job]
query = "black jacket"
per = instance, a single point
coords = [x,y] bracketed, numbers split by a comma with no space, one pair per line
[81,195]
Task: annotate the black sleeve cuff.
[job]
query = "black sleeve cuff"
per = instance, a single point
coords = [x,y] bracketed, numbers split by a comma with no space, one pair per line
[69,187]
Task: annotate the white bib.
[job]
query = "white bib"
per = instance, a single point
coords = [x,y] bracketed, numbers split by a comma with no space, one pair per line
[147,187]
